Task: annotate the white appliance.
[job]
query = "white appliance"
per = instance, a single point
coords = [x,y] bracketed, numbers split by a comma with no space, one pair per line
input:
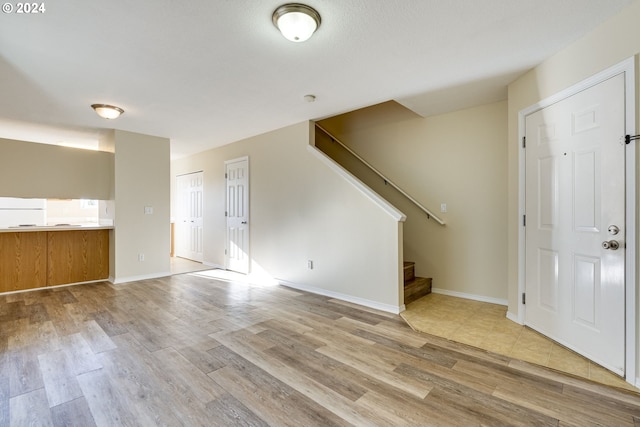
[16,212]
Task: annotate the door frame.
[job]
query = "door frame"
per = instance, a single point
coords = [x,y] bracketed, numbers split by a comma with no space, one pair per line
[628,68]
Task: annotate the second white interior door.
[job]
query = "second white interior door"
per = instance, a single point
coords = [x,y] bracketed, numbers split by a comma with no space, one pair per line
[237,212]
[189,222]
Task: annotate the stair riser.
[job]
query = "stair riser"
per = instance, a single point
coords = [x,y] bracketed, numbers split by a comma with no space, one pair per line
[409,275]
[409,271]
[417,289]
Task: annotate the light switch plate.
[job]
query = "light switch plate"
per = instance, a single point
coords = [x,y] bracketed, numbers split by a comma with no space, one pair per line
[148,210]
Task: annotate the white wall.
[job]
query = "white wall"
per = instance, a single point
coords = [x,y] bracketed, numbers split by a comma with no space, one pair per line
[302,210]
[612,42]
[29,169]
[141,179]
[458,158]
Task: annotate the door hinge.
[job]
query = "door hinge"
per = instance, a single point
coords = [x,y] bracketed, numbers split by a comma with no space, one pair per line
[225,176]
[629,138]
[226,213]
[225,251]
[524,220]
[524,298]
[524,142]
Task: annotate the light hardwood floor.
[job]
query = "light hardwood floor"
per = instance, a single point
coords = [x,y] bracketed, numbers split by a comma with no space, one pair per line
[190,350]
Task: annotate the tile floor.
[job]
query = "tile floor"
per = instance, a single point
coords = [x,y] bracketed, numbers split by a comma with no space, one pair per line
[183,265]
[486,326]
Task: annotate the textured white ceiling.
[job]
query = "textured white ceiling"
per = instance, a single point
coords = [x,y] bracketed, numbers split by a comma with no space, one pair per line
[209,72]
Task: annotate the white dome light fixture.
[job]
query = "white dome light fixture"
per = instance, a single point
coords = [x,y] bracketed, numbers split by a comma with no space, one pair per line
[297,22]
[107,111]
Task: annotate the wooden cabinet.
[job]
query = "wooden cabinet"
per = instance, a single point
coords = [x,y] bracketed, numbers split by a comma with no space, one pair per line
[77,256]
[36,259]
[23,261]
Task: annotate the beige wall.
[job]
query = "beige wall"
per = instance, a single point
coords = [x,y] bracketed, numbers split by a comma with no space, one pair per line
[302,210]
[29,169]
[457,158]
[614,41]
[141,179]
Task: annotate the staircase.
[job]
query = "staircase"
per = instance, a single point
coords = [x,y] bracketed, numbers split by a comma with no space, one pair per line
[414,287]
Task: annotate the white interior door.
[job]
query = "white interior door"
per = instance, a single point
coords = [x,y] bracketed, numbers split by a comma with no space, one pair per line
[575,218]
[189,223]
[237,212]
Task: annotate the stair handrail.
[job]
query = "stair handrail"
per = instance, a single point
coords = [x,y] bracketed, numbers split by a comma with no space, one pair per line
[430,215]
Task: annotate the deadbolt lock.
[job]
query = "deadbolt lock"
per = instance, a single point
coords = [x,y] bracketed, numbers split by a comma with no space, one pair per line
[613,230]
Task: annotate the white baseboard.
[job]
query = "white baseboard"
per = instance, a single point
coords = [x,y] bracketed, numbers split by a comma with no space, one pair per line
[513,318]
[473,297]
[120,280]
[214,265]
[349,298]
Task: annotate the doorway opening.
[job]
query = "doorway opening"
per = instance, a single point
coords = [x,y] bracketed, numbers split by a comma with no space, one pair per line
[189,224]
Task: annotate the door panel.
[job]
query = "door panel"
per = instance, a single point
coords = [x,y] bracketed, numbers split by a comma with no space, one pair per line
[586,193]
[548,271]
[586,290]
[547,193]
[575,189]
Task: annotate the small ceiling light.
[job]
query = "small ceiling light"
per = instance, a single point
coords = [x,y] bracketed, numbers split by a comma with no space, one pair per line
[107,111]
[310,98]
[297,22]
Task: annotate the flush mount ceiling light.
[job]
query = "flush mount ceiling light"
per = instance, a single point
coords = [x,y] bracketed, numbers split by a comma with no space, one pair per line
[297,22]
[107,111]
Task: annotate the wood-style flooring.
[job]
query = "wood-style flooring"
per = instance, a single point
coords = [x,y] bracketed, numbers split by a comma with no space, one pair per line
[189,350]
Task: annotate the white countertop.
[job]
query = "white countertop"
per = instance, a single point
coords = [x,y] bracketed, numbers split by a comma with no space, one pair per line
[61,227]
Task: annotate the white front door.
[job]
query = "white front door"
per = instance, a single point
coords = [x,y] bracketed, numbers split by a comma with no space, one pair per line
[189,222]
[237,212]
[575,222]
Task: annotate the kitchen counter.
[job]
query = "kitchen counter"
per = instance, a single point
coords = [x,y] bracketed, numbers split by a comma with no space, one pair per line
[57,227]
